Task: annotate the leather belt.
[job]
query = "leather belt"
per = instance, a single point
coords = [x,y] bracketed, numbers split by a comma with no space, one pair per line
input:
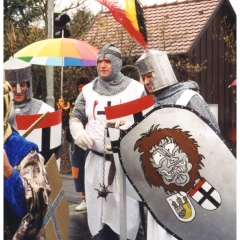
[107,156]
[112,170]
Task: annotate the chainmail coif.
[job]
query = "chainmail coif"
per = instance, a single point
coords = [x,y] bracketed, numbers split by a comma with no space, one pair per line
[116,82]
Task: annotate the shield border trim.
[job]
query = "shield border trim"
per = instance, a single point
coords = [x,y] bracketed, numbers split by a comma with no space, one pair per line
[186,108]
[116,149]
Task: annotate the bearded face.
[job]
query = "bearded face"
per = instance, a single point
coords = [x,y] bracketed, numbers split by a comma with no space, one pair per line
[170,162]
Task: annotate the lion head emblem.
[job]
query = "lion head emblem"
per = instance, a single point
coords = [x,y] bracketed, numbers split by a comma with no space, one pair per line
[169,158]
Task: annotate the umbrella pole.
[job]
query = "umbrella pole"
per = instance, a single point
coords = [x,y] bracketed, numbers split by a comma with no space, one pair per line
[62,79]
[62,70]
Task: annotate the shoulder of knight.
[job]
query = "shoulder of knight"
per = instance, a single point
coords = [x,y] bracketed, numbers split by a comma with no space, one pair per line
[36,101]
[88,87]
[137,85]
[35,105]
[30,107]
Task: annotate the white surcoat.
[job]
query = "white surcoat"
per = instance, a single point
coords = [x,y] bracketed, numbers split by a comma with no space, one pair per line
[45,107]
[101,211]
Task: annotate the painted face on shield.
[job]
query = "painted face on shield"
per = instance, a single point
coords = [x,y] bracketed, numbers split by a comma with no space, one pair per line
[171,162]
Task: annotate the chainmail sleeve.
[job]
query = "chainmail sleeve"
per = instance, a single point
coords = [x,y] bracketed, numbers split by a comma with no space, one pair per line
[199,105]
[79,109]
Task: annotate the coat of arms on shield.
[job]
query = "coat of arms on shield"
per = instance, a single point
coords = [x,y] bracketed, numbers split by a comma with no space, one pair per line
[184,172]
[182,206]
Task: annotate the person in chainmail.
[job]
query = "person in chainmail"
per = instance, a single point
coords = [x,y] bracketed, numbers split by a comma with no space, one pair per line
[19,74]
[110,88]
[154,67]
[26,188]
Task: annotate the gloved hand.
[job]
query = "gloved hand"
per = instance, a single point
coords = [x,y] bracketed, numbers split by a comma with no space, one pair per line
[80,135]
[121,124]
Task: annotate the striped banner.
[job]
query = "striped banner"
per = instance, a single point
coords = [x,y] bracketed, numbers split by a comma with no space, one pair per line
[138,108]
[47,135]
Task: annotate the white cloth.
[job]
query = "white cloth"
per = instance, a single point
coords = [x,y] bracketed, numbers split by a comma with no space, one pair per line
[154,230]
[186,97]
[45,108]
[101,211]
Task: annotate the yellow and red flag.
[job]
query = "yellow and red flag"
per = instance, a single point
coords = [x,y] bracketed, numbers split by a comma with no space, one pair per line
[129,14]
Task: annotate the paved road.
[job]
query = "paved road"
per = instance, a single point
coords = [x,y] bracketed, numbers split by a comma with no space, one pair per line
[78,227]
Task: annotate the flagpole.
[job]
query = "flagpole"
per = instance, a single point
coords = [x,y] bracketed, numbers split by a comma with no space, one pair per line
[122,205]
[62,79]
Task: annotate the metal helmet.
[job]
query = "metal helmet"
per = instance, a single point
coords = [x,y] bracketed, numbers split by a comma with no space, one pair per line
[158,64]
[17,72]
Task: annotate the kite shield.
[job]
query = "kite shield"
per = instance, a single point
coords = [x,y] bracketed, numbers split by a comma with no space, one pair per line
[184,172]
[56,221]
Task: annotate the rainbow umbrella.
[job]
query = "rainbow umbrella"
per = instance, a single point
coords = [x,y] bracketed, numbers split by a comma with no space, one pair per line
[62,52]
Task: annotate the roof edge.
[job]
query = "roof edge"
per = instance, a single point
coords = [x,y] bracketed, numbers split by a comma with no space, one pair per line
[231,8]
[160,5]
[173,3]
[205,26]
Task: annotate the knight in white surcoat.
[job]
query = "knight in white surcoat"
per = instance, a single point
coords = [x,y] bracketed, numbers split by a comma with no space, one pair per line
[110,88]
[19,74]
